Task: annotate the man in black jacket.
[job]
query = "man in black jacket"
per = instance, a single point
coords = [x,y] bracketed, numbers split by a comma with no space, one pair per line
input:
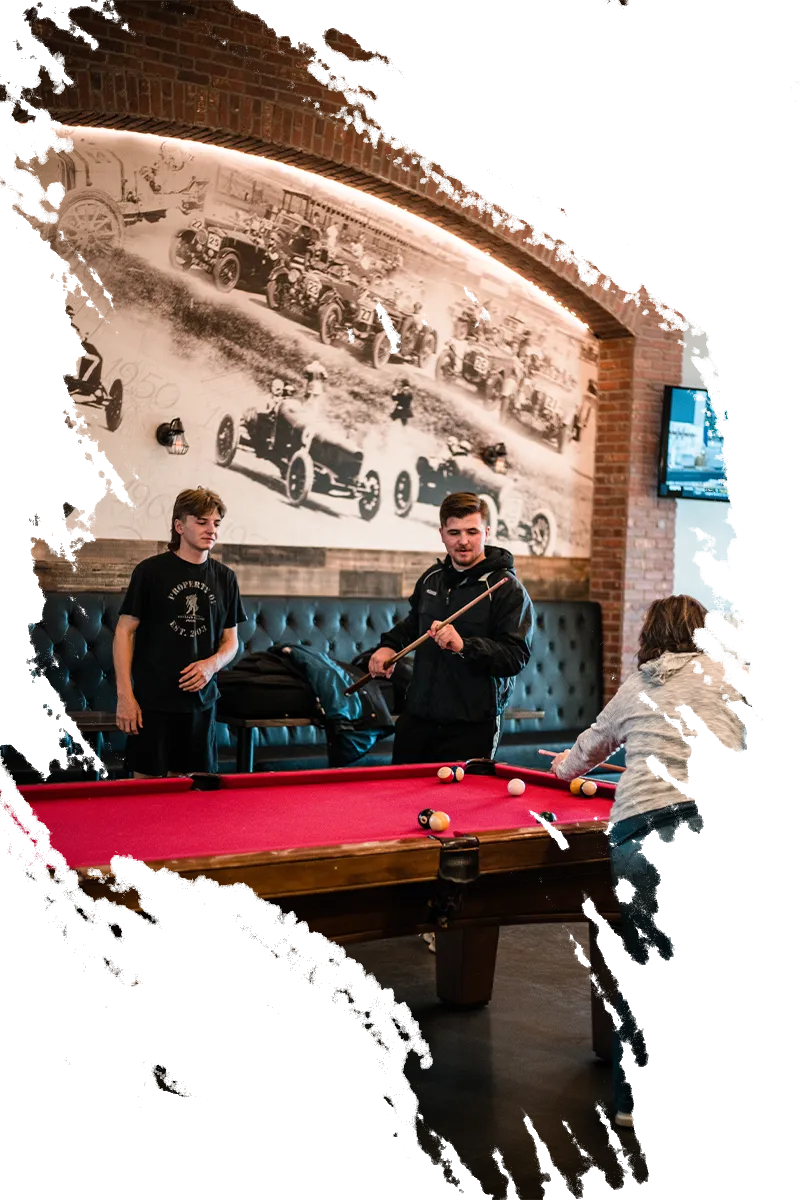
[463,674]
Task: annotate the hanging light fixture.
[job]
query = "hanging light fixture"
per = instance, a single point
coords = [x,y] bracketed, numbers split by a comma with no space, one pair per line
[173,436]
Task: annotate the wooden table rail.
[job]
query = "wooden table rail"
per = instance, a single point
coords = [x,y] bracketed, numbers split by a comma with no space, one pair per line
[95,724]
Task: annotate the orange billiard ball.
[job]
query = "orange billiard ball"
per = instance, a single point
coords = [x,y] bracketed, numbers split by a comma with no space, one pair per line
[438,822]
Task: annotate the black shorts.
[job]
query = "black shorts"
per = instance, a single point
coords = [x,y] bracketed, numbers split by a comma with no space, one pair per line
[174,743]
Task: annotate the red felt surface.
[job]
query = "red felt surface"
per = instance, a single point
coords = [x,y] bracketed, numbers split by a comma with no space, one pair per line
[164,819]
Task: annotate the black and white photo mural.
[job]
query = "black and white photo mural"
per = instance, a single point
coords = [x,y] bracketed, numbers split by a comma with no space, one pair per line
[336,365]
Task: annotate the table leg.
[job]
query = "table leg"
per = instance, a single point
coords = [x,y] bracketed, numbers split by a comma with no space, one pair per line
[90,755]
[244,750]
[465,960]
[602,1024]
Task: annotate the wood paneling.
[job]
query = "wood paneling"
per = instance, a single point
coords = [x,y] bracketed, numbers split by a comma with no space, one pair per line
[106,565]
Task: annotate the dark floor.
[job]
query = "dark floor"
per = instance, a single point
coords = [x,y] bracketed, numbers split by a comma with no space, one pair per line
[528,1052]
[503,1102]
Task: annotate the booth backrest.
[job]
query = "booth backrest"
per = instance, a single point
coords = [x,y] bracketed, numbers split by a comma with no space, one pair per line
[73,647]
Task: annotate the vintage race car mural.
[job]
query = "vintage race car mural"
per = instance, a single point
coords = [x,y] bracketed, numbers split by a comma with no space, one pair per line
[102,197]
[303,286]
[541,414]
[479,363]
[86,386]
[231,258]
[351,314]
[306,460]
[461,469]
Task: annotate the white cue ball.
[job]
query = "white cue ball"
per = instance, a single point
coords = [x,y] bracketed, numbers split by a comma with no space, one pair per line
[515,787]
[588,787]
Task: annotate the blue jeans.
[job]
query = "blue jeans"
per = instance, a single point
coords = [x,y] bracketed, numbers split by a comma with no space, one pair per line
[637,926]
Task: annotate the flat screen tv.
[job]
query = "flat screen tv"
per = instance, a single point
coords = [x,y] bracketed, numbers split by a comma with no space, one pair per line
[737,447]
[691,465]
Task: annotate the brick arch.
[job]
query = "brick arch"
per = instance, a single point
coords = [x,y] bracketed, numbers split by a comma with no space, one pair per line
[208,72]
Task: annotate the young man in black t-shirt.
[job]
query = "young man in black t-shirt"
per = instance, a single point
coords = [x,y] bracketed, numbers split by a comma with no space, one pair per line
[176,630]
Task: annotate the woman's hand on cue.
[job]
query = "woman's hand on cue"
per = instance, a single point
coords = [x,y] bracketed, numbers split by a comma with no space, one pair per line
[377,664]
[558,759]
[446,637]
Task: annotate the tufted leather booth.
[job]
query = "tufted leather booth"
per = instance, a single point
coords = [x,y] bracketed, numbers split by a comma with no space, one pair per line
[73,647]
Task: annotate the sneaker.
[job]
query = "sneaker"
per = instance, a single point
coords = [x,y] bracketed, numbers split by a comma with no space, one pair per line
[430,941]
[624,1120]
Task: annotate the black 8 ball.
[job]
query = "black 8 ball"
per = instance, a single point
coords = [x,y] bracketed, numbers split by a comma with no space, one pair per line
[424,818]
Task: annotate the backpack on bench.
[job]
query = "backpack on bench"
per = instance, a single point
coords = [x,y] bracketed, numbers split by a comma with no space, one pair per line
[267,686]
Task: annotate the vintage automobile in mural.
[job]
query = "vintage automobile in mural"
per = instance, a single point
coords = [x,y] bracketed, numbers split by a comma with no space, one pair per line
[351,315]
[462,469]
[418,342]
[232,258]
[479,363]
[542,365]
[86,386]
[101,200]
[542,415]
[474,318]
[307,461]
[302,284]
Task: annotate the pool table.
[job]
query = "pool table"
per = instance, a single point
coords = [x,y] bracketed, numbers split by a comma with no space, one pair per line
[344,851]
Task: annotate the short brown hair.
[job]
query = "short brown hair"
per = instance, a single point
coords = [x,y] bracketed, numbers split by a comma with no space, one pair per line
[670,624]
[193,502]
[462,504]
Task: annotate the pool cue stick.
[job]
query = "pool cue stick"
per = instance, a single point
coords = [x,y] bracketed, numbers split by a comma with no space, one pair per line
[359,683]
[606,766]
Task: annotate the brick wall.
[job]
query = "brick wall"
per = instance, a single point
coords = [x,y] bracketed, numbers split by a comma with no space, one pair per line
[611,486]
[193,61]
[209,72]
[650,547]
[633,531]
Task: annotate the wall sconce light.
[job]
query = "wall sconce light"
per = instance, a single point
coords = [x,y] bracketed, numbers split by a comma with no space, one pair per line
[173,436]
